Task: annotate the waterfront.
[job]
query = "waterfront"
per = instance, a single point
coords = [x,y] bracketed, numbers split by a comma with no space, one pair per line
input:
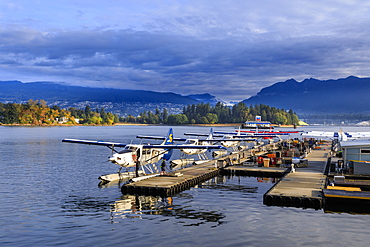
[50,196]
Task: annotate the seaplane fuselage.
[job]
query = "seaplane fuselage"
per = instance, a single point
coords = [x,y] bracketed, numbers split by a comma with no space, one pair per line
[131,154]
[227,143]
[191,151]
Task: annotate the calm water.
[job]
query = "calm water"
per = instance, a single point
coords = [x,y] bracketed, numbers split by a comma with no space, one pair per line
[49,195]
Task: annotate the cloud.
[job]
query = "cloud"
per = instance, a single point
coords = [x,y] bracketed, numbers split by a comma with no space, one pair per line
[229,49]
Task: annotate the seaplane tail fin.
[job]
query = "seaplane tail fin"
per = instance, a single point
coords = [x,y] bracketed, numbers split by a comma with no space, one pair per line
[210,136]
[168,141]
[239,132]
[169,138]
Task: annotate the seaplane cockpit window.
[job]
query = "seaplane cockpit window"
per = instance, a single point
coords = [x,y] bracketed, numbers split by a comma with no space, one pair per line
[125,151]
[189,141]
[131,148]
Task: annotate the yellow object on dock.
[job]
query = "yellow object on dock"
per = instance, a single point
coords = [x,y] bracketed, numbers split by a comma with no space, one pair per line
[343,188]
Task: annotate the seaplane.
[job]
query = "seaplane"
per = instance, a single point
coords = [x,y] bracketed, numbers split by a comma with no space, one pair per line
[190,146]
[226,140]
[139,156]
[250,135]
[339,135]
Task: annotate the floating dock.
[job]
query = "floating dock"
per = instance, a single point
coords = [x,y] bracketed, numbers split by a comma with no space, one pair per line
[302,188]
[174,182]
[177,181]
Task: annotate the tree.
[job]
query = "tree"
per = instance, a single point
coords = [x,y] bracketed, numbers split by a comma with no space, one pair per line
[177,119]
[239,112]
[87,111]
[164,115]
[212,118]
[280,118]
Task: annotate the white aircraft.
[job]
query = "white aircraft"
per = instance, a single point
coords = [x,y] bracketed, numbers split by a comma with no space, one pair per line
[191,146]
[138,155]
[226,139]
[340,135]
[251,135]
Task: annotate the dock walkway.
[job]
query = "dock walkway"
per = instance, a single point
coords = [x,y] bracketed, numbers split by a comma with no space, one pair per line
[302,188]
[271,172]
[174,182]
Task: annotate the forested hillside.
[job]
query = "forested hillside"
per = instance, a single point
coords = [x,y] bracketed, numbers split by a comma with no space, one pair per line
[36,112]
[220,113]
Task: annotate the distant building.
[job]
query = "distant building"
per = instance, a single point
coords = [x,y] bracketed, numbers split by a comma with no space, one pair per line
[62,120]
[257,125]
[356,154]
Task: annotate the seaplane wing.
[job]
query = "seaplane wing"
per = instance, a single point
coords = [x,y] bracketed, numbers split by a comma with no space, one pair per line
[184,146]
[359,134]
[101,143]
[199,134]
[315,133]
[222,136]
[252,135]
[159,138]
[247,139]
[159,146]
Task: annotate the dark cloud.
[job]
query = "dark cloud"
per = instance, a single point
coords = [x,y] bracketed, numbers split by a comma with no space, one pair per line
[190,54]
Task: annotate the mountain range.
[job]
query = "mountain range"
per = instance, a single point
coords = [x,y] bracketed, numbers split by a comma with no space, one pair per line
[311,96]
[17,91]
[120,101]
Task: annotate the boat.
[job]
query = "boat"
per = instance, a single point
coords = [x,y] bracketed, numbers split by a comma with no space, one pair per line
[257,125]
[270,131]
[348,196]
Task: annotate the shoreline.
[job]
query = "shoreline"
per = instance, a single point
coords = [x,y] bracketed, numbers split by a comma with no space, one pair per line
[117,124]
[139,124]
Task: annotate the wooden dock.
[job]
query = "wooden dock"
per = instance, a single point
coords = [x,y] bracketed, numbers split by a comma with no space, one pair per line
[302,188]
[175,182]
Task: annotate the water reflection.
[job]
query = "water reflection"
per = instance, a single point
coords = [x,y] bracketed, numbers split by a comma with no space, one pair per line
[267,180]
[76,206]
[139,207]
[221,183]
[136,206]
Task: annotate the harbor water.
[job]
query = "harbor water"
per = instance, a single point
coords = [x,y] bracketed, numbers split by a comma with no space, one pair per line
[50,196]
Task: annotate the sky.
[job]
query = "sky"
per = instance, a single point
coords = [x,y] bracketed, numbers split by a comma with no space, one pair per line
[228,48]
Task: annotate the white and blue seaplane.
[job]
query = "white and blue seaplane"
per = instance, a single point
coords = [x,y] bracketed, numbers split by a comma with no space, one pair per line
[187,149]
[140,156]
[227,140]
